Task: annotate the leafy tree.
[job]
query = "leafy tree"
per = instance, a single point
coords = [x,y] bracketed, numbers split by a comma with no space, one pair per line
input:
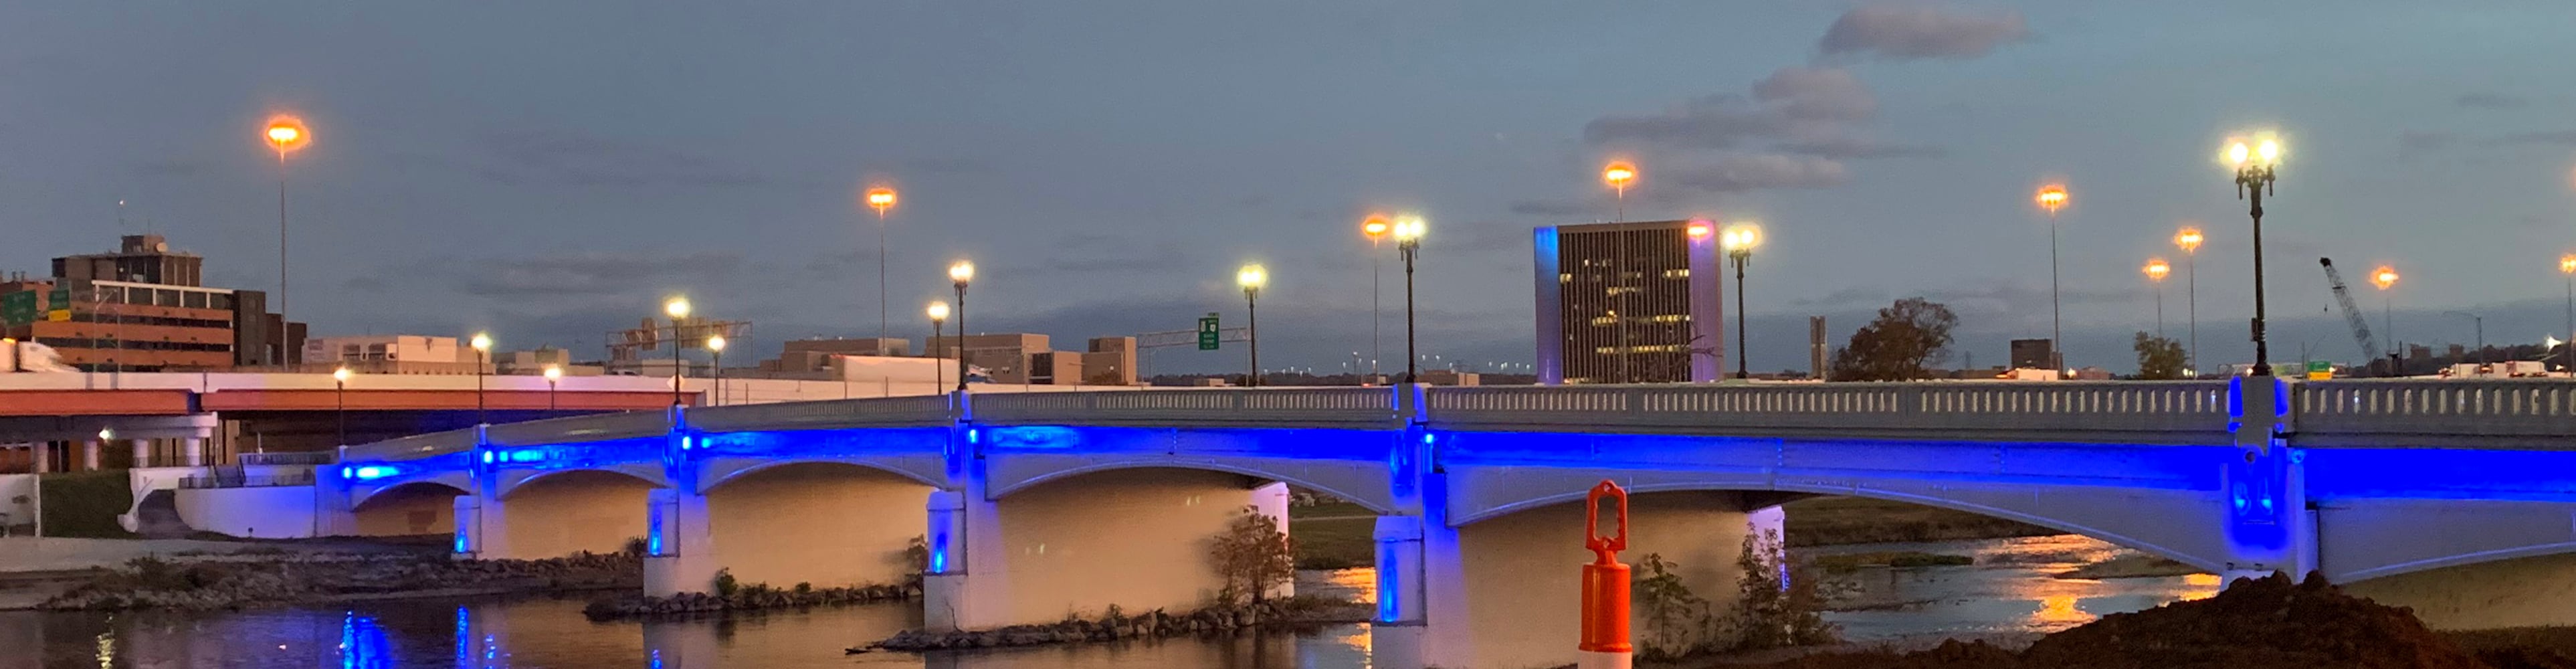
[1678,621]
[1253,557]
[1900,345]
[2158,357]
[1779,604]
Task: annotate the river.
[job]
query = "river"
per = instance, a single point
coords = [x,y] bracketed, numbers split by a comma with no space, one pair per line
[2008,590]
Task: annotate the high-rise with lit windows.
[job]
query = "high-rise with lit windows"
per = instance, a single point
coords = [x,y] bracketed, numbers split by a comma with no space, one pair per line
[1629,303]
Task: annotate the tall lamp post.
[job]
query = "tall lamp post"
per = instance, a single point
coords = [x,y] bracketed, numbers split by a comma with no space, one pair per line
[938,312]
[286,134]
[1408,243]
[2385,278]
[2567,266]
[2254,170]
[1738,240]
[1251,277]
[881,199]
[2052,197]
[1619,175]
[1375,227]
[960,274]
[340,387]
[2481,322]
[2156,270]
[482,365]
[554,376]
[678,309]
[2189,239]
[715,347]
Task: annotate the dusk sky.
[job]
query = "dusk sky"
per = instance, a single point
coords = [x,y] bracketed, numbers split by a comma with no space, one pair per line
[550,170]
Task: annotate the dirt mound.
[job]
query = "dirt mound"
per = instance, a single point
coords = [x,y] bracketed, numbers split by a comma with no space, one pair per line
[2268,623]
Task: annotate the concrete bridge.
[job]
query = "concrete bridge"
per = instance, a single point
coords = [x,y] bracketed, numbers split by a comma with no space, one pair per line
[2457,497]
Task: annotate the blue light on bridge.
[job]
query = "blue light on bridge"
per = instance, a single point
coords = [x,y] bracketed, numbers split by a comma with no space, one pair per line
[363,644]
[487,457]
[372,472]
[1387,606]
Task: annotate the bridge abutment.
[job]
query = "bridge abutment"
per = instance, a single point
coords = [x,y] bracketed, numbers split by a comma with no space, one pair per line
[679,545]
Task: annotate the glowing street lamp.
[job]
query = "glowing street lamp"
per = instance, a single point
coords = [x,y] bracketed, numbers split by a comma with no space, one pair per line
[716,347]
[482,344]
[2384,278]
[678,309]
[881,199]
[960,274]
[1251,278]
[286,134]
[1619,175]
[554,375]
[340,387]
[1375,228]
[1738,240]
[1408,243]
[2053,197]
[2189,240]
[938,312]
[2156,270]
[2254,161]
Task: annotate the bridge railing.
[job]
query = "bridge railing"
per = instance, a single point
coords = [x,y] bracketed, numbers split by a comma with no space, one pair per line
[2364,412]
[414,447]
[1239,406]
[907,411]
[2190,411]
[578,429]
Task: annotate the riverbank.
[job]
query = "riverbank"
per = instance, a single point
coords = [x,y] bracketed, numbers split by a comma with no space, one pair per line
[1291,613]
[752,598]
[200,583]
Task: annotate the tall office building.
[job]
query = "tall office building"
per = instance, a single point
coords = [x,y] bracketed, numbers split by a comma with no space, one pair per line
[145,308]
[1630,303]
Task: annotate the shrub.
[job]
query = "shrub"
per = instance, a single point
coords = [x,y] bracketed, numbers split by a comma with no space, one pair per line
[725,585]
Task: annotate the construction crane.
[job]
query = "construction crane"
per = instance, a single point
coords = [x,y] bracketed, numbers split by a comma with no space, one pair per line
[2352,316]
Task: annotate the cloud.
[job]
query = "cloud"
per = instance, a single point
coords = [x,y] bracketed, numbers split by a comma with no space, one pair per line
[589,274]
[1739,172]
[2490,101]
[1550,209]
[2414,143]
[1810,93]
[2554,138]
[1901,32]
[1712,122]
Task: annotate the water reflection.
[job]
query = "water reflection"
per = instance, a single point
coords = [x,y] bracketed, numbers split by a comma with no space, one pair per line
[2010,589]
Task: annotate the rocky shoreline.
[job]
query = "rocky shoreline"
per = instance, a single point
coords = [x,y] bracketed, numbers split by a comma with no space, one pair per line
[1116,625]
[197,585]
[746,599]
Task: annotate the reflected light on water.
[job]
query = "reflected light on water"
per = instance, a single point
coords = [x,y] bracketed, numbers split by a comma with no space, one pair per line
[2200,586]
[2059,611]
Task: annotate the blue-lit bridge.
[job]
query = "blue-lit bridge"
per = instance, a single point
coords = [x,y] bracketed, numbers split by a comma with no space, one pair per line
[1034,506]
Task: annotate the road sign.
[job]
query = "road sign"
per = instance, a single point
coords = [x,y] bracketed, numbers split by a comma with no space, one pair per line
[18,308]
[2320,370]
[58,306]
[1208,331]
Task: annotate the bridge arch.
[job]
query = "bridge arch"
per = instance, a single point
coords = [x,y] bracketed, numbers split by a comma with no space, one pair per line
[510,482]
[821,521]
[1363,483]
[720,471]
[458,480]
[418,507]
[560,512]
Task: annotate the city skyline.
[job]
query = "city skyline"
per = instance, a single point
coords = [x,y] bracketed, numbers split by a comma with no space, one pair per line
[488,176]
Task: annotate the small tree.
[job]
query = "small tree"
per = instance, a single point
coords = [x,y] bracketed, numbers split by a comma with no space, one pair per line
[1253,556]
[1779,604]
[1677,620]
[2158,357]
[1900,345]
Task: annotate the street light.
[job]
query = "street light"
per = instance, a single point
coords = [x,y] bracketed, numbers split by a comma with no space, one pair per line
[1250,278]
[1375,228]
[1738,240]
[678,309]
[2189,239]
[286,134]
[2385,278]
[2052,197]
[1619,174]
[2567,266]
[2481,322]
[881,198]
[482,344]
[1408,243]
[340,386]
[716,346]
[2156,270]
[961,273]
[554,375]
[2254,165]
[938,314]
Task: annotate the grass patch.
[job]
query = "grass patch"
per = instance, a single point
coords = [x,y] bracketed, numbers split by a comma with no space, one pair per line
[1334,542]
[85,504]
[1831,521]
[1898,559]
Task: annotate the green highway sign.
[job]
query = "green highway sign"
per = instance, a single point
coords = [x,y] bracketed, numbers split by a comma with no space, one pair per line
[1207,332]
[58,306]
[18,308]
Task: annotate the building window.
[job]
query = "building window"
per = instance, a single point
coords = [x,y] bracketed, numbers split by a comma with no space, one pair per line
[194,300]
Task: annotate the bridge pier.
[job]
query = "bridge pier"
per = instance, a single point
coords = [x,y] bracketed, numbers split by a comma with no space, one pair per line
[679,546]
